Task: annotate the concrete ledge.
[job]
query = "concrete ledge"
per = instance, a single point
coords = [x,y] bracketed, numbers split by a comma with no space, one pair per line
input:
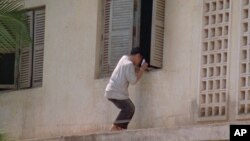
[213,132]
[218,132]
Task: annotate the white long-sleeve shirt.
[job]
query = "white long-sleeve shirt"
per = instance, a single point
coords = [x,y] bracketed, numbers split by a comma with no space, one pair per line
[123,74]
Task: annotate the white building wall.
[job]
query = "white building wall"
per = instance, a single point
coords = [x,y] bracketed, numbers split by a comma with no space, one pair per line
[71,100]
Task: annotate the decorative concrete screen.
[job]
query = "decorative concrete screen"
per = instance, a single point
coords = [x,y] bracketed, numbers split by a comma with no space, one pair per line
[244,82]
[213,91]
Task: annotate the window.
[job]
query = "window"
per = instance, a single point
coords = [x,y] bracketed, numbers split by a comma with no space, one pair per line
[23,68]
[7,61]
[131,23]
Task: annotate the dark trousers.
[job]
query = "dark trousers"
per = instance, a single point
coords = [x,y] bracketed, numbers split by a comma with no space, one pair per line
[127,111]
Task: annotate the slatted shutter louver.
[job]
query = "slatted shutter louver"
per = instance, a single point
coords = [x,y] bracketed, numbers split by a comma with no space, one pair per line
[26,57]
[106,25]
[38,53]
[121,30]
[25,67]
[157,38]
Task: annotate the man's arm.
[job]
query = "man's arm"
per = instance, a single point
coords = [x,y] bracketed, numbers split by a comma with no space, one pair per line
[140,71]
[134,74]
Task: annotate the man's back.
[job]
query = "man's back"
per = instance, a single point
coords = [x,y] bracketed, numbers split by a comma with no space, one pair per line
[123,74]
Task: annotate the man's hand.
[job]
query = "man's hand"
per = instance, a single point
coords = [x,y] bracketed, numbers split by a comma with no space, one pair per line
[137,69]
[144,66]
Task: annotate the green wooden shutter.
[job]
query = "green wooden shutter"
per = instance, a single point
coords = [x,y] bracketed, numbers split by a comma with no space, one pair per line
[121,30]
[157,37]
[26,58]
[38,53]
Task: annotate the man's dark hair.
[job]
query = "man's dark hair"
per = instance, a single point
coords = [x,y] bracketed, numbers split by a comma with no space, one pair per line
[136,50]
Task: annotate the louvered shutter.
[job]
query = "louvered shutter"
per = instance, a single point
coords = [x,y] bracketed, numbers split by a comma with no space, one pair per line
[157,38]
[38,53]
[106,25]
[121,30]
[26,57]
[25,67]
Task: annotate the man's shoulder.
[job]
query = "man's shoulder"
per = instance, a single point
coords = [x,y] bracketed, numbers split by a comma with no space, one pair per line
[126,61]
[124,57]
